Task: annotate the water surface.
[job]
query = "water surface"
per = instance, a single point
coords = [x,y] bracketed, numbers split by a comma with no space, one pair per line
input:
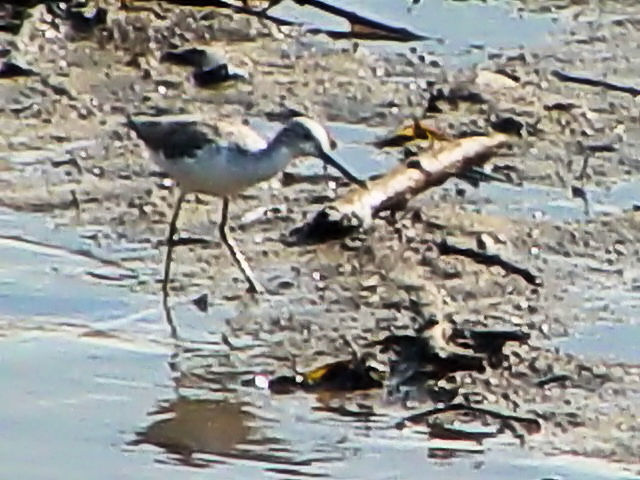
[95,387]
[459,31]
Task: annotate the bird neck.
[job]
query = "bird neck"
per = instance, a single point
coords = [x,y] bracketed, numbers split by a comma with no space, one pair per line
[274,158]
[281,150]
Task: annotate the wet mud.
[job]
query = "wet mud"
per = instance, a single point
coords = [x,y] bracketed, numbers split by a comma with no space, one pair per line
[79,193]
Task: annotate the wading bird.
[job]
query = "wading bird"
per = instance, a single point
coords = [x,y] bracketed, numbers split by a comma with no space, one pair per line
[200,161]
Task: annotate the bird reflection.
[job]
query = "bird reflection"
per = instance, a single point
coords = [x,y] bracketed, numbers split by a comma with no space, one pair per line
[196,426]
[168,316]
[200,427]
[184,426]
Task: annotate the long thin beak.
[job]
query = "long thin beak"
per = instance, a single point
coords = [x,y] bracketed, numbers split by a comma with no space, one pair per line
[329,160]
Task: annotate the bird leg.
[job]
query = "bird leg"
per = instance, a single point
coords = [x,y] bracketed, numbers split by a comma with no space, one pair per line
[170,243]
[238,257]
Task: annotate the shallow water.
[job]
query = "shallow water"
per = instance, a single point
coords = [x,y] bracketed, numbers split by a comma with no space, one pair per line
[92,376]
[613,342]
[614,336]
[557,205]
[94,386]
[459,31]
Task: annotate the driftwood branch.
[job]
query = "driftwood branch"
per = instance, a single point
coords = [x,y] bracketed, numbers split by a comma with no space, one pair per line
[487,342]
[441,350]
[594,82]
[490,260]
[530,424]
[417,359]
[394,190]
[217,4]
[361,27]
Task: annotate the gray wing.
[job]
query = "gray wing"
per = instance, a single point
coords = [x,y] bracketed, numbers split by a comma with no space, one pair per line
[244,137]
[173,139]
[184,138]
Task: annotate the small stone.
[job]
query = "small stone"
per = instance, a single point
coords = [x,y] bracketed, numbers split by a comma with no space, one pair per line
[619,249]
[371,282]
[167,183]
[201,302]
[285,284]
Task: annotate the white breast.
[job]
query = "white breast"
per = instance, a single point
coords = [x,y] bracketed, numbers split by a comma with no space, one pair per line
[218,170]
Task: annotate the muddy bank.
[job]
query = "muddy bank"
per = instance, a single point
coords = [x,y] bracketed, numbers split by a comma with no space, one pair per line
[66,152]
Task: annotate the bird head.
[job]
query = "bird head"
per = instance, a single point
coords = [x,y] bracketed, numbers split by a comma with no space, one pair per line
[306,137]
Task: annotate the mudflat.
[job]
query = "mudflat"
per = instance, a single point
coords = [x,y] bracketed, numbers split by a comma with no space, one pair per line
[570,211]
